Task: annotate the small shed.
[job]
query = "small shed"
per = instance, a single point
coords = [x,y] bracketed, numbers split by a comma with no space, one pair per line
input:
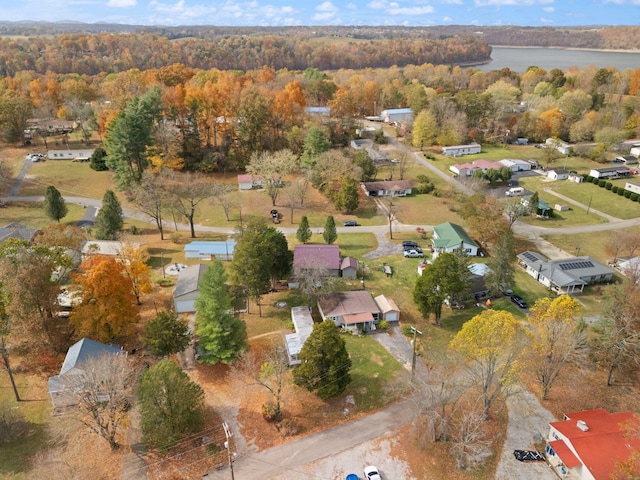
[303,326]
[349,267]
[388,309]
[516,165]
[245,181]
[459,150]
[205,250]
[397,115]
[558,174]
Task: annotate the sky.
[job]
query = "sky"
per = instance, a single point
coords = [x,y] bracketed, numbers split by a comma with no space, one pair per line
[328,12]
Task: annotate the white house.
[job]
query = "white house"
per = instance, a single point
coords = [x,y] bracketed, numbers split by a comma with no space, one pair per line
[392,188]
[610,172]
[459,150]
[557,174]
[516,165]
[627,160]
[77,155]
[77,356]
[186,291]
[448,237]
[245,181]
[632,187]
[397,115]
[563,147]
[635,151]
[109,248]
[303,326]
[565,275]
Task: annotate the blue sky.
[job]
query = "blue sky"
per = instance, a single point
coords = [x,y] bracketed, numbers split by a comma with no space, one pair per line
[328,12]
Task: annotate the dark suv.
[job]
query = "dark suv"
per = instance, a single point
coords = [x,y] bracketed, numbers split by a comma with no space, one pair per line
[519,301]
[407,245]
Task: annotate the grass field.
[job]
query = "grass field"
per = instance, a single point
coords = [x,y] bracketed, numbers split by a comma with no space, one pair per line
[600,198]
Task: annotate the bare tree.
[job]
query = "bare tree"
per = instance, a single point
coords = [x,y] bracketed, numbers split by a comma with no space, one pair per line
[222,194]
[313,278]
[190,190]
[404,160]
[103,389]
[437,403]
[272,167]
[470,444]
[270,371]
[150,196]
[301,186]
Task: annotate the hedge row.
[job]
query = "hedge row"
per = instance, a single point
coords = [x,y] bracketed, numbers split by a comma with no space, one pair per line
[633,196]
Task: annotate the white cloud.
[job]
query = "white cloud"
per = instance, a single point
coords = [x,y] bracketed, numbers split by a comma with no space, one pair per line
[409,10]
[549,9]
[623,2]
[545,20]
[351,6]
[121,3]
[447,19]
[326,11]
[377,4]
[510,3]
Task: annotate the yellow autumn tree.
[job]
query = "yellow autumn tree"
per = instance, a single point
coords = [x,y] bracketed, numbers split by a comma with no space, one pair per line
[492,343]
[557,336]
[108,308]
[134,259]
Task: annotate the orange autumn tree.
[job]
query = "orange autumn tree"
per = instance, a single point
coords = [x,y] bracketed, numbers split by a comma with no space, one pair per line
[108,309]
[134,259]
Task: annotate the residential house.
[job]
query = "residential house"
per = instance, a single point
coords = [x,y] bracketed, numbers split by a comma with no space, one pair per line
[448,237]
[566,275]
[557,174]
[77,356]
[563,147]
[18,231]
[349,268]
[109,248]
[205,250]
[630,267]
[467,169]
[391,188]
[389,311]
[354,310]
[317,111]
[521,141]
[632,187]
[76,155]
[459,150]
[245,181]
[476,279]
[303,326]
[543,210]
[186,291]
[587,445]
[51,126]
[576,178]
[326,256]
[367,144]
[635,151]
[397,115]
[610,172]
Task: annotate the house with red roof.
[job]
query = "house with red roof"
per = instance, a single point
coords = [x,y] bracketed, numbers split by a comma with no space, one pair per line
[311,255]
[587,445]
[353,310]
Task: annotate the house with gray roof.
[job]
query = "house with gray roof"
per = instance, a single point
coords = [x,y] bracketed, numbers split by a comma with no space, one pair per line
[565,275]
[389,188]
[356,309]
[77,356]
[16,230]
[186,291]
[448,237]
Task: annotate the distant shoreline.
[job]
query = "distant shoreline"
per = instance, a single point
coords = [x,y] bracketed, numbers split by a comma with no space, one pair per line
[605,50]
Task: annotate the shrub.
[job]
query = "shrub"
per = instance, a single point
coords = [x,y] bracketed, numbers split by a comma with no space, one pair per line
[380,138]
[133,230]
[429,156]
[608,185]
[383,325]
[602,183]
[270,412]
[627,193]
[289,427]
[620,191]
[614,189]
[634,197]
[176,238]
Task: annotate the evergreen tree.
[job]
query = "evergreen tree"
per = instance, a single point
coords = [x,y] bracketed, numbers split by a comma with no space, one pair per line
[533,204]
[222,337]
[54,205]
[315,143]
[364,161]
[109,219]
[330,234]
[347,198]
[325,362]
[304,232]
[98,160]
[171,405]
[166,334]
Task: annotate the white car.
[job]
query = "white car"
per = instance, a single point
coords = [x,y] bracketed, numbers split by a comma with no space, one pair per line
[371,473]
[413,254]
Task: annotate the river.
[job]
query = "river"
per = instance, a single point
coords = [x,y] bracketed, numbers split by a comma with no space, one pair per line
[519,59]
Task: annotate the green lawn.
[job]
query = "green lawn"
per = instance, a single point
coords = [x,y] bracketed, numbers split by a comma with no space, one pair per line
[374,372]
[70,178]
[31,214]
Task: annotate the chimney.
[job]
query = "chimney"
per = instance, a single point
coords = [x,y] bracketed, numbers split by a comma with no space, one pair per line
[582,425]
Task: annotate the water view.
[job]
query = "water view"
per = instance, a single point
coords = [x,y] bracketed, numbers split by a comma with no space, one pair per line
[519,59]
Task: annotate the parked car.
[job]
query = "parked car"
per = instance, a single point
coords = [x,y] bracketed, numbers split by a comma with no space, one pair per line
[350,223]
[413,254]
[371,473]
[409,245]
[519,301]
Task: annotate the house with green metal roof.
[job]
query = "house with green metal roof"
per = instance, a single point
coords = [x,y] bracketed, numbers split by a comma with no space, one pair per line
[448,237]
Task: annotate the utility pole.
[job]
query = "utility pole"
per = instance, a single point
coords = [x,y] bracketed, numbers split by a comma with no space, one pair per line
[413,362]
[227,445]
